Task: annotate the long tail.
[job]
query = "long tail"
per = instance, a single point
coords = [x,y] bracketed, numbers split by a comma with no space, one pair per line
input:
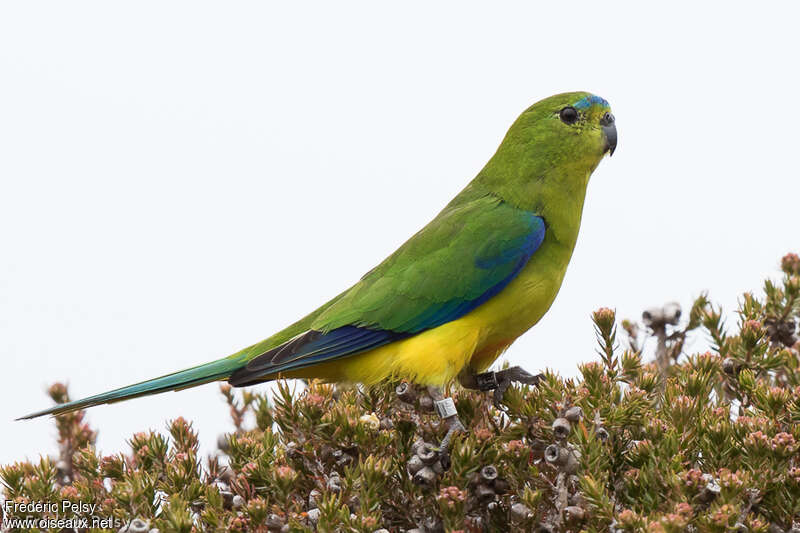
[184,379]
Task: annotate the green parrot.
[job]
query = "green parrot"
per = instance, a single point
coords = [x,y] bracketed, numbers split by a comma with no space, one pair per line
[454,296]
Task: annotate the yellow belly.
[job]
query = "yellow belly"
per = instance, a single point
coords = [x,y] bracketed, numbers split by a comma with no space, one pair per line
[438,355]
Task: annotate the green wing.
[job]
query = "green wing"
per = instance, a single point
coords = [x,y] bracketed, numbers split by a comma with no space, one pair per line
[466,255]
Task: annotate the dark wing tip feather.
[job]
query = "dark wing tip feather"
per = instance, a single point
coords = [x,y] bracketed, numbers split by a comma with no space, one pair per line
[310,348]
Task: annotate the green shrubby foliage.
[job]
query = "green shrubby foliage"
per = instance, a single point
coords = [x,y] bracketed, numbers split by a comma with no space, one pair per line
[700,442]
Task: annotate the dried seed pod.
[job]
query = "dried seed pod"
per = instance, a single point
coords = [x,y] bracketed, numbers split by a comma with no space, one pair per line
[238,502]
[652,317]
[520,512]
[417,443]
[406,393]
[313,515]
[313,497]
[573,514]
[602,433]
[433,525]
[484,493]
[575,497]
[414,464]
[545,527]
[658,317]
[155,530]
[197,505]
[227,499]
[325,452]
[574,414]
[274,523]
[334,482]
[551,453]
[729,366]
[555,455]
[424,477]
[386,423]
[672,313]
[226,476]
[572,462]
[341,458]
[354,503]
[710,492]
[501,486]
[537,449]
[489,473]
[62,468]
[427,453]
[739,527]
[224,443]
[561,427]
[293,451]
[475,523]
[426,403]
[137,525]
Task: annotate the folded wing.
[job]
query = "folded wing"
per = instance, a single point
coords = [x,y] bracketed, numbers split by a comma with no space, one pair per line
[465,256]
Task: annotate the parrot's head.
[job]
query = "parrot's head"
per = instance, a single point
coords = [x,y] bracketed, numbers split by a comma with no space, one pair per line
[568,127]
[554,144]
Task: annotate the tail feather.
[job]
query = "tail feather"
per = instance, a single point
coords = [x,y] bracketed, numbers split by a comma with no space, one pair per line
[183,379]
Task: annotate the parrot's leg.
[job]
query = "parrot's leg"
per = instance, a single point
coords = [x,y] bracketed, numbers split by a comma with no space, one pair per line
[446,409]
[498,381]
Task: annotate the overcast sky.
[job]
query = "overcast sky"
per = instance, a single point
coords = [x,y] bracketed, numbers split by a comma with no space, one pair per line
[182,179]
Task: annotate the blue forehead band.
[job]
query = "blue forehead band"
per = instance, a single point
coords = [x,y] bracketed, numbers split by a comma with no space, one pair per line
[588,101]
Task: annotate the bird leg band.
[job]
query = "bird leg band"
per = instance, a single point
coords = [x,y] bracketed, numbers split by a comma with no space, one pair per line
[445,408]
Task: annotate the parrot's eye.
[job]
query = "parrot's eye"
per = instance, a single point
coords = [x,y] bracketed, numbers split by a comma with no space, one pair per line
[568,115]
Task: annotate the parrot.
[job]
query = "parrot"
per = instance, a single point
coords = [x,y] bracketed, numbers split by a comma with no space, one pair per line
[451,299]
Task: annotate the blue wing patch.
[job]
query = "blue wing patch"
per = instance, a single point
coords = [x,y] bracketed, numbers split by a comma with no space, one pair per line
[497,263]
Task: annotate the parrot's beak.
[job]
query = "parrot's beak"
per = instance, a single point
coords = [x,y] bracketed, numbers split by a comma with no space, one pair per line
[610,131]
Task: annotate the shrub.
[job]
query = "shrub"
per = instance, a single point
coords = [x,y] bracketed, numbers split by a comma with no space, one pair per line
[706,442]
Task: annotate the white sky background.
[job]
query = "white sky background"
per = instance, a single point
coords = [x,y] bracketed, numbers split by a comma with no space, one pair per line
[182,179]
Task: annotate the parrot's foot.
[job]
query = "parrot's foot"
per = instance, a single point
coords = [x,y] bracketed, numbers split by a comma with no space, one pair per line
[499,381]
[446,409]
